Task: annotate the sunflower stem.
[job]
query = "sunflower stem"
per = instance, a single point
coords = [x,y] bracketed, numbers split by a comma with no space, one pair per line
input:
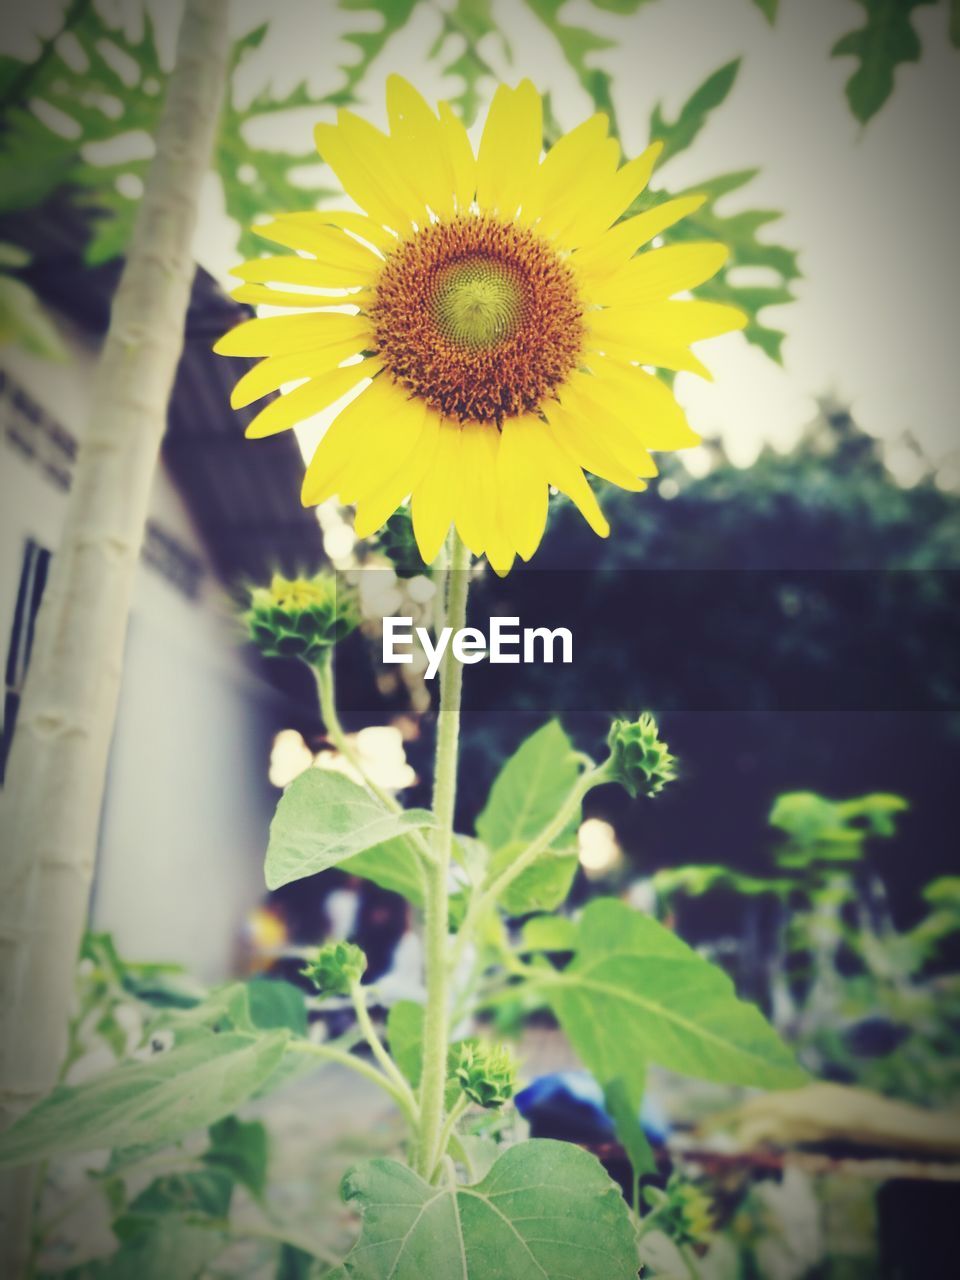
[436,914]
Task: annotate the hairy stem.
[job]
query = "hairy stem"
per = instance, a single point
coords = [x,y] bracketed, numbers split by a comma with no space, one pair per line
[404,1100]
[436,915]
[376,1044]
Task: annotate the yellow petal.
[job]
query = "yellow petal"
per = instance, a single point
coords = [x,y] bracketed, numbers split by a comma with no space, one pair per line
[660,333]
[615,197]
[345,439]
[360,172]
[262,295]
[510,149]
[645,403]
[606,423]
[564,474]
[657,274]
[415,440]
[283,335]
[500,551]
[332,248]
[460,155]
[362,226]
[522,483]
[477,501]
[303,402]
[389,439]
[560,177]
[418,143]
[596,171]
[434,498]
[618,245]
[587,450]
[270,374]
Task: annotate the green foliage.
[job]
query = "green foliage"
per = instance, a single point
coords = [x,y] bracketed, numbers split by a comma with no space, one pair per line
[23,321]
[353,823]
[885,41]
[153,1101]
[336,968]
[396,541]
[301,617]
[466,24]
[622,1110]
[529,789]
[395,15]
[545,1208]
[820,830]
[636,993]
[739,230]
[109,88]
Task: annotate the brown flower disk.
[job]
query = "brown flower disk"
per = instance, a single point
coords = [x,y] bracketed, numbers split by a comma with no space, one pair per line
[479,318]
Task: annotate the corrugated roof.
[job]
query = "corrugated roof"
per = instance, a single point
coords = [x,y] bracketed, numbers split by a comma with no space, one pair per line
[243,495]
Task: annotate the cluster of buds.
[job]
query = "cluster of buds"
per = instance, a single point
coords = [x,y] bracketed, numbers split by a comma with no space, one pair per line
[639,761]
[336,968]
[486,1073]
[300,617]
[689,1213]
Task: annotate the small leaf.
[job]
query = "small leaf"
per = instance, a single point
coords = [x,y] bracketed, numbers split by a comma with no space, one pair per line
[545,1209]
[886,40]
[529,788]
[395,14]
[550,933]
[240,1149]
[137,1103]
[542,886]
[323,819]
[275,1003]
[676,137]
[768,8]
[405,1038]
[635,993]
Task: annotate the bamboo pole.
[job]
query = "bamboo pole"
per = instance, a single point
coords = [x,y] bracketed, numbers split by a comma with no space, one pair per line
[51,801]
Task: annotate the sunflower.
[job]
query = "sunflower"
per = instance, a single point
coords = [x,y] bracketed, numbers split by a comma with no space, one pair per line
[495,314]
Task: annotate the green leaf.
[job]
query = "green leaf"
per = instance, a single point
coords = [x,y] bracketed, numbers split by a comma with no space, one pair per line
[545,1209]
[172,1247]
[468,23]
[635,993]
[393,865]
[24,321]
[542,886]
[239,1148]
[274,1003]
[550,933]
[626,1121]
[394,14]
[768,8]
[294,1263]
[405,1038]
[323,819]
[679,134]
[529,789]
[886,40]
[156,1100]
[576,44]
[206,1194]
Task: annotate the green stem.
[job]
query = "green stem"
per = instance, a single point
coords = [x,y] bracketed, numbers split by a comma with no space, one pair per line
[447,1132]
[376,1044]
[436,914]
[366,1069]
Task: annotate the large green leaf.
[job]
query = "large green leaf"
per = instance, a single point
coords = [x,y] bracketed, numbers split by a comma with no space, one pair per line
[545,1210]
[542,886]
[886,40]
[678,134]
[635,993]
[152,1101]
[529,789]
[393,865]
[323,819]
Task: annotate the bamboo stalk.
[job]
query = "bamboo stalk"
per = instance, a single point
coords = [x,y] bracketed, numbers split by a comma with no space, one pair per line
[52,798]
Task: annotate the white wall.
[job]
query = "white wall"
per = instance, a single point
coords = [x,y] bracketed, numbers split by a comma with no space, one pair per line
[187,803]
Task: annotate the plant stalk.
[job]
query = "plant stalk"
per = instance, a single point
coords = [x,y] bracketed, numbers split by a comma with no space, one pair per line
[436,915]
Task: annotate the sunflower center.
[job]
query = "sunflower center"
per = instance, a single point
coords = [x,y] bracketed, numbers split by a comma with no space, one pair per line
[479,304]
[479,318]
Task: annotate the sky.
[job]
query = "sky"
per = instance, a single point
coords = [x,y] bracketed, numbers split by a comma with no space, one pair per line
[871,209]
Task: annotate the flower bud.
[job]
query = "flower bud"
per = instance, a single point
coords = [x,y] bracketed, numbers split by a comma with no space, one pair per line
[300,617]
[639,761]
[336,968]
[486,1073]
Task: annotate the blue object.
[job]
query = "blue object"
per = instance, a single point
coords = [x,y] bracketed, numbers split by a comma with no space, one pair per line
[569,1105]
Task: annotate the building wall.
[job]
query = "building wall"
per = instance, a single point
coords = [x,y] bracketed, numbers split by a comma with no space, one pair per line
[188,803]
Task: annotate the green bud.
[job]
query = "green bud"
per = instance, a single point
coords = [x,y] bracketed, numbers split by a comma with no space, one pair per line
[487,1073]
[694,1217]
[639,761]
[396,541]
[300,617]
[336,968]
